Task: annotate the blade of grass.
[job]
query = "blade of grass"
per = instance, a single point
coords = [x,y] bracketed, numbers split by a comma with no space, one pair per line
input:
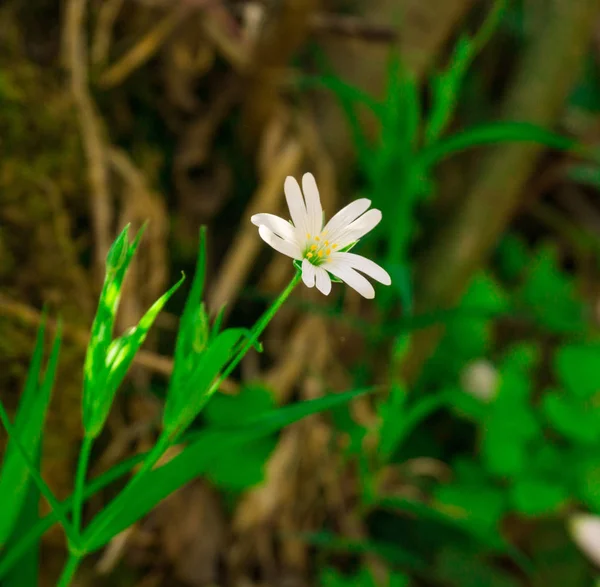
[19,547]
[494,133]
[26,573]
[37,478]
[130,506]
[27,432]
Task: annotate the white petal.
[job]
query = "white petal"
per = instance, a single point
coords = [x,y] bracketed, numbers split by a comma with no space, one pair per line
[363,265]
[323,281]
[357,229]
[282,246]
[345,216]
[354,279]
[277,225]
[308,273]
[585,530]
[295,202]
[313,204]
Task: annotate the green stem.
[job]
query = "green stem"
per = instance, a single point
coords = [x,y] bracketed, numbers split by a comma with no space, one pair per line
[68,571]
[257,330]
[112,511]
[17,549]
[37,478]
[82,465]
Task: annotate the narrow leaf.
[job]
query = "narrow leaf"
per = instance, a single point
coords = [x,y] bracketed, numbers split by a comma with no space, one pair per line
[185,401]
[129,507]
[29,424]
[491,134]
[119,356]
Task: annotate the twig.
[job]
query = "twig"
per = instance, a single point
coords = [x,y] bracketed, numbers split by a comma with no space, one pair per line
[142,51]
[354,27]
[245,247]
[107,15]
[89,122]
[151,361]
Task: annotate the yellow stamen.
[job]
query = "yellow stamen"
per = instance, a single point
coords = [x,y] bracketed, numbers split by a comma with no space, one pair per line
[309,255]
[317,238]
[326,243]
[308,235]
[334,246]
[313,247]
[328,252]
[320,254]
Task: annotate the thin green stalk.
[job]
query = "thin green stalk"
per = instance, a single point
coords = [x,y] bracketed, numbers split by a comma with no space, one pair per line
[69,571]
[37,478]
[164,441]
[257,330]
[82,465]
[162,444]
[17,549]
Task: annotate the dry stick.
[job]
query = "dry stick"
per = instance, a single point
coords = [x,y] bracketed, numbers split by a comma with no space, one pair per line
[107,15]
[541,85]
[89,122]
[142,51]
[151,361]
[246,246]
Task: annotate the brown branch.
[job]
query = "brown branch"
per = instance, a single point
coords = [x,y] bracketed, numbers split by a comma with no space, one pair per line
[142,51]
[247,244]
[107,15]
[151,361]
[91,129]
[536,95]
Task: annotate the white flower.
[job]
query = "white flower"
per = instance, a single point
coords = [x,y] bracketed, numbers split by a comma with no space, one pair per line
[585,531]
[322,250]
[480,379]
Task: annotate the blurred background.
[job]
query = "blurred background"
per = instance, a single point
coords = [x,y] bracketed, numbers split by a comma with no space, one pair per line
[474,126]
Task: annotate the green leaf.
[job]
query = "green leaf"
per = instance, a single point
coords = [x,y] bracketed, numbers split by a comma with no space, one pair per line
[468,330]
[119,356]
[551,296]
[32,533]
[29,424]
[571,418]
[390,551]
[578,369]
[27,571]
[194,332]
[479,506]
[194,460]
[185,402]
[95,372]
[399,420]
[533,496]
[588,478]
[513,256]
[464,569]
[241,467]
[446,86]
[331,578]
[250,402]
[585,174]
[511,423]
[494,133]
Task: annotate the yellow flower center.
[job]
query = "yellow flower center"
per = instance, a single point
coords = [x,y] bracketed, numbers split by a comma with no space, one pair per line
[317,249]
